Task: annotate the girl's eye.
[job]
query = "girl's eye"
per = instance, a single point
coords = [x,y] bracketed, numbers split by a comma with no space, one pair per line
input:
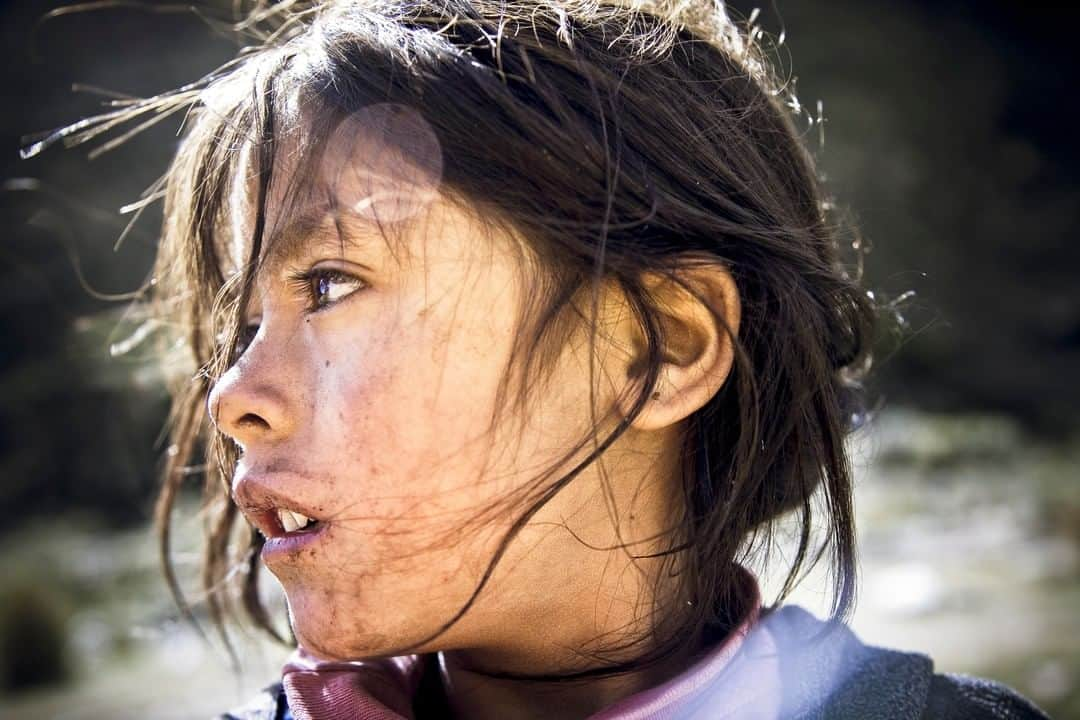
[329,286]
[247,334]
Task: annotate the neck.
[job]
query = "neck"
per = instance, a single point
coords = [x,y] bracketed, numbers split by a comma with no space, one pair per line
[475,694]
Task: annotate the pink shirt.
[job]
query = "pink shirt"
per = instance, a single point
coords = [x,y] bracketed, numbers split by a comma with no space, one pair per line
[738,678]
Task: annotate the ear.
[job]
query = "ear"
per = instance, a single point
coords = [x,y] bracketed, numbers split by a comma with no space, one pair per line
[698,350]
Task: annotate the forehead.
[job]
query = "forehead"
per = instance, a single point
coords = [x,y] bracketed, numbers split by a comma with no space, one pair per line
[380,168]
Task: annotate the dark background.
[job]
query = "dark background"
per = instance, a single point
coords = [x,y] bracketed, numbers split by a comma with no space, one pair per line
[949,134]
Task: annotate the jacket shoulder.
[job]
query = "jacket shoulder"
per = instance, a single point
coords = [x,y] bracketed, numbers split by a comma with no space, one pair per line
[838,677]
[954,696]
[269,704]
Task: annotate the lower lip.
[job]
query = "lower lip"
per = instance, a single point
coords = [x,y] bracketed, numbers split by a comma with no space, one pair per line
[291,546]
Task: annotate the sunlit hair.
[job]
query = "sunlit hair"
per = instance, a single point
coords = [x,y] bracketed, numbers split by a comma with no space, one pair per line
[616,142]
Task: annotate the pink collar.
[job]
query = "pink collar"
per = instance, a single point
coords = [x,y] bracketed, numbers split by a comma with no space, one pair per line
[736,678]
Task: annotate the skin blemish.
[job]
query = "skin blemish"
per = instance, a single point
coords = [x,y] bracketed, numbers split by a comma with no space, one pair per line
[327,364]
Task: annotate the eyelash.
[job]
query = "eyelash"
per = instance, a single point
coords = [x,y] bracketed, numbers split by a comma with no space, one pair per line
[302,282]
[306,281]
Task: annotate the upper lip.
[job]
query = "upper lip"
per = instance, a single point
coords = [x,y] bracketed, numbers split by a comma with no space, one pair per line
[259,500]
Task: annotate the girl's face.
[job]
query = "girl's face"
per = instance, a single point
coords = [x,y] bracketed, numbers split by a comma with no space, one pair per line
[364,401]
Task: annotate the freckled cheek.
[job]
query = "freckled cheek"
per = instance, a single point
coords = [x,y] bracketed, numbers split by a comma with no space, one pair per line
[394,419]
[364,428]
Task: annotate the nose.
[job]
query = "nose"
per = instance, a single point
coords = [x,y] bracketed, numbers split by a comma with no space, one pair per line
[249,407]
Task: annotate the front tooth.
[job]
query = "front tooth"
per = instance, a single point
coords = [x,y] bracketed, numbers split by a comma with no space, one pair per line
[288,521]
[301,520]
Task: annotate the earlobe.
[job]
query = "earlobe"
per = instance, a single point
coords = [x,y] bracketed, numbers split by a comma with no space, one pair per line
[698,328]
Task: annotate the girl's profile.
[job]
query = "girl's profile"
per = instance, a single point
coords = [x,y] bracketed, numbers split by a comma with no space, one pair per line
[517,340]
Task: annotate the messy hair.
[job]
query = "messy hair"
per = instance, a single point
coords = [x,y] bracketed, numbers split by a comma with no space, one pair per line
[620,142]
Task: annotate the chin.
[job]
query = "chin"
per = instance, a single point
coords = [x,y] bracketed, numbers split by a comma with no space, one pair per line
[329,633]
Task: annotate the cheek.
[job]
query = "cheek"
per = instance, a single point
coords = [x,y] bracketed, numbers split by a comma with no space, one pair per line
[401,427]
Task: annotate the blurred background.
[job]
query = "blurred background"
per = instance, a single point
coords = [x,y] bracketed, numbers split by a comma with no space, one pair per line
[949,132]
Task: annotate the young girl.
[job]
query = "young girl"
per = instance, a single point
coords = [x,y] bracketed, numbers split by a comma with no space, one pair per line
[518,327]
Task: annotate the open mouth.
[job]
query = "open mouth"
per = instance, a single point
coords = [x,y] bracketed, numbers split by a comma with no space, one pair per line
[283,522]
[287,524]
[292,521]
[288,534]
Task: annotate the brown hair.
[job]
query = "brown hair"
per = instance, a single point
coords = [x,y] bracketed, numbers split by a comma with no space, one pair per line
[619,142]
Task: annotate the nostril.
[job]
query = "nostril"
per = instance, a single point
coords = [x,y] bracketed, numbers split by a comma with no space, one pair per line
[247,409]
[252,421]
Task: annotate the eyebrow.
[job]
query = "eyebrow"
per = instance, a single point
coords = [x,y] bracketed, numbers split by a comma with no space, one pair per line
[292,239]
